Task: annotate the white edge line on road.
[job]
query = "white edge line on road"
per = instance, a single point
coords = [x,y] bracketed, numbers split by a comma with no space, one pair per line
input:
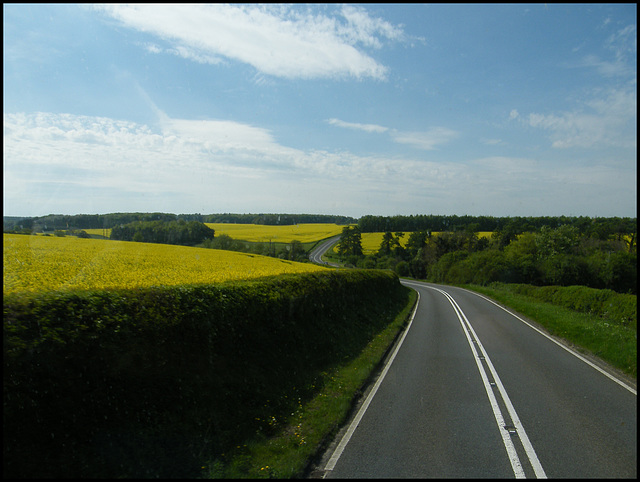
[564,347]
[354,423]
[574,353]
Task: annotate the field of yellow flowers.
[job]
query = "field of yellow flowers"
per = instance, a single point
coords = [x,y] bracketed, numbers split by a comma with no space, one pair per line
[371,241]
[45,263]
[258,233]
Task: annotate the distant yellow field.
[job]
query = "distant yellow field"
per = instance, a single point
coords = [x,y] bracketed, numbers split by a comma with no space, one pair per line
[371,241]
[258,233]
[45,263]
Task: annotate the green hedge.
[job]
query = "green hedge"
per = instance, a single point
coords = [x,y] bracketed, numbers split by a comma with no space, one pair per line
[615,307]
[149,382]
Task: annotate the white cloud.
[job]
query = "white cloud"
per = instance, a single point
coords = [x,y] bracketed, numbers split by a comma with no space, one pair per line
[607,68]
[491,142]
[280,41]
[618,58]
[427,140]
[364,29]
[608,120]
[361,127]
[69,164]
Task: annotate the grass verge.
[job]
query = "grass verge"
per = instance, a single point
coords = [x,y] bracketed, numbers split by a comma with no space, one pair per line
[287,451]
[589,333]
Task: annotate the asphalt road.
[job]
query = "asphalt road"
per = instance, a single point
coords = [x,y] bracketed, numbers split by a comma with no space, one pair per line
[474,391]
[316,254]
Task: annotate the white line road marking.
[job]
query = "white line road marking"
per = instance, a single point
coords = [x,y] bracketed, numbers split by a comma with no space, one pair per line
[506,438]
[577,355]
[354,424]
[505,434]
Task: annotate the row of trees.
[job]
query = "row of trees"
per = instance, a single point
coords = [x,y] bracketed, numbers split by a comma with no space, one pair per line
[596,227]
[293,251]
[550,256]
[187,233]
[277,219]
[53,222]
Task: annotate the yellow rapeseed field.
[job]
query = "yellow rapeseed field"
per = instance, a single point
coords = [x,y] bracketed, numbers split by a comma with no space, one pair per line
[258,233]
[44,263]
[371,241]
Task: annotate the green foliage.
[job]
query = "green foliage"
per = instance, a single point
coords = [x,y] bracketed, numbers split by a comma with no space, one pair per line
[439,272]
[615,307]
[402,268]
[506,227]
[388,243]
[350,242]
[293,251]
[105,221]
[579,315]
[167,232]
[148,382]
[565,255]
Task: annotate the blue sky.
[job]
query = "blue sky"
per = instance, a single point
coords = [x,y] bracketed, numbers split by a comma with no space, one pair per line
[499,110]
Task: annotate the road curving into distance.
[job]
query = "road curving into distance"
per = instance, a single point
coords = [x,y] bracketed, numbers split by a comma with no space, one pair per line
[473,389]
[316,253]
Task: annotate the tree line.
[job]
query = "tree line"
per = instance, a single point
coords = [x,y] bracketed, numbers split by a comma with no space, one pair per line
[278,219]
[181,232]
[293,251]
[560,255]
[597,226]
[54,222]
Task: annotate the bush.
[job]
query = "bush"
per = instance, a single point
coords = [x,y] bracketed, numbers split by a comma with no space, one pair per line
[616,307]
[439,272]
[145,382]
[402,268]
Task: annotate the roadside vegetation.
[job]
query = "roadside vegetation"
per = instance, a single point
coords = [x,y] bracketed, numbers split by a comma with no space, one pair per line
[599,254]
[177,381]
[595,322]
[289,450]
[578,280]
[140,359]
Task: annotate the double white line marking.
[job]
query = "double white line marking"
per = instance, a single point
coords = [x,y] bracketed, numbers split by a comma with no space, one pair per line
[480,355]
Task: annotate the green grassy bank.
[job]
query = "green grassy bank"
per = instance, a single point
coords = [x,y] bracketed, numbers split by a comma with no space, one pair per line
[597,322]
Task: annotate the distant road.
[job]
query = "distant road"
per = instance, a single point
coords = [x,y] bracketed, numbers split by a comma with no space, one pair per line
[475,391]
[316,254]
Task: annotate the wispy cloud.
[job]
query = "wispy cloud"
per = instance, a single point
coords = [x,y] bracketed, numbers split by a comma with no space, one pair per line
[280,41]
[608,120]
[360,127]
[618,56]
[607,68]
[427,140]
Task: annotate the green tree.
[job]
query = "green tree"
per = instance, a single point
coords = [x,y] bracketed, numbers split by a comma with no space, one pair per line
[561,240]
[350,242]
[387,244]
[296,250]
[417,240]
